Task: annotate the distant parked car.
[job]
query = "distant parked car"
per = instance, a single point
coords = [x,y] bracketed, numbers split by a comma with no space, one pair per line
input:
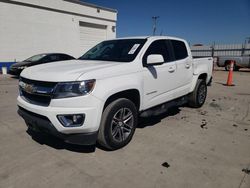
[17,68]
[239,62]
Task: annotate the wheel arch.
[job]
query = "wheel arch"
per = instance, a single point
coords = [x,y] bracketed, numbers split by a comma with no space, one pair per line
[130,94]
[203,76]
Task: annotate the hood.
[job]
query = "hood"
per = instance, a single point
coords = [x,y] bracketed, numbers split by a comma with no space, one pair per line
[64,71]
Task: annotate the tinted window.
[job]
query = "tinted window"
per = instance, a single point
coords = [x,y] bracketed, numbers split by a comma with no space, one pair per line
[35,58]
[54,57]
[65,57]
[45,59]
[180,49]
[158,47]
[124,50]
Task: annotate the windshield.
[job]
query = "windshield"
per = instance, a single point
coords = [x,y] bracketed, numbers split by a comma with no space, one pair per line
[123,50]
[35,58]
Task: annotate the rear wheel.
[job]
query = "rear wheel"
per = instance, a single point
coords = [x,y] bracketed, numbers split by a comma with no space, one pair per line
[236,68]
[198,97]
[118,124]
[228,65]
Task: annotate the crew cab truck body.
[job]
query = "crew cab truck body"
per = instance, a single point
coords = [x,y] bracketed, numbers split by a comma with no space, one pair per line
[100,96]
[239,62]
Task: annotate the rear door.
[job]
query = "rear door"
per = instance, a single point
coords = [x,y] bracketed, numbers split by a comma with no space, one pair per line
[159,80]
[184,69]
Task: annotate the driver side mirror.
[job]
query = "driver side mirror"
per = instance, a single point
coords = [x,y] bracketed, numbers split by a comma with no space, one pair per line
[155,59]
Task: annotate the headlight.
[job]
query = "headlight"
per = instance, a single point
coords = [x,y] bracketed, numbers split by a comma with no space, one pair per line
[73,89]
[22,67]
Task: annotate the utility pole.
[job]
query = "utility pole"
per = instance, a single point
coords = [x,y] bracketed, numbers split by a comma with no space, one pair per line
[154,23]
[247,41]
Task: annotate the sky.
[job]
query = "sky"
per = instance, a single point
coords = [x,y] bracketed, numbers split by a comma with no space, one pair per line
[197,21]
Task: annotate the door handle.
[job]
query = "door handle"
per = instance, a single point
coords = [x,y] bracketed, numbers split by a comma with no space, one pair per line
[187,66]
[171,69]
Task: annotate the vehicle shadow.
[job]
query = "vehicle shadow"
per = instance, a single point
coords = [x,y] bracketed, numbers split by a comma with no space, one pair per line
[56,143]
[244,70]
[152,120]
[14,77]
[241,70]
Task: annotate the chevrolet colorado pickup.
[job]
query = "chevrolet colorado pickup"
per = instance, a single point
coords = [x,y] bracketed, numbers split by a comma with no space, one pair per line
[99,97]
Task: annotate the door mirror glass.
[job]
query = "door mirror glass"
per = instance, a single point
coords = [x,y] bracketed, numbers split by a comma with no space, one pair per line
[155,59]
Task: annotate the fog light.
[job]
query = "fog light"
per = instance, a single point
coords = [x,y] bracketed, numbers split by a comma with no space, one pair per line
[72,120]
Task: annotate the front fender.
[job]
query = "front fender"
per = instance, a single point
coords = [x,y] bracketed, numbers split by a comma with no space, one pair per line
[107,87]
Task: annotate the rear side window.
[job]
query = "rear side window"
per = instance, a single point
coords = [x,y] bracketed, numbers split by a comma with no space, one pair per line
[180,49]
[158,47]
[65,57]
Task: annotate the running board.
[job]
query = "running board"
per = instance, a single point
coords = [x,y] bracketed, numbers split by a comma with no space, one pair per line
[162,108]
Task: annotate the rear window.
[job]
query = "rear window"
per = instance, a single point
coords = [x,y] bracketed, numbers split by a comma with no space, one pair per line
[180,49]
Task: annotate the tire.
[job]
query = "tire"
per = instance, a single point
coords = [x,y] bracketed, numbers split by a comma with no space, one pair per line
[118,124]
[198,97]
[227,66]
[235,68]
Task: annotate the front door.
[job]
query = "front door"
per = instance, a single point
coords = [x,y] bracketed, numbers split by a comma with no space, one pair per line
[159,80]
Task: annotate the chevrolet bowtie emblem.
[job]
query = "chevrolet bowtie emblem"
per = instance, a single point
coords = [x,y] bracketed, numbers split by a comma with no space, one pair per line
[29,88]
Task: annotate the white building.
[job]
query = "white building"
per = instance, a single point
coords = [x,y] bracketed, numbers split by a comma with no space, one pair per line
[29,27]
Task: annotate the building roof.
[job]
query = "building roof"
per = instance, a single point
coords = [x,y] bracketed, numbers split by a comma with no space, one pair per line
[91,5]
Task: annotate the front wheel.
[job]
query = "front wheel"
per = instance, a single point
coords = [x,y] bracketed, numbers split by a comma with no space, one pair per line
[198,97]
[118,124]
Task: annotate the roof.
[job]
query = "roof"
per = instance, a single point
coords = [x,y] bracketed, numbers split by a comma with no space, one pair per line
[91,5]
[151,37]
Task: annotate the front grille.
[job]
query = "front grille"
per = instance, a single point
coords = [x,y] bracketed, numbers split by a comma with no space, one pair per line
[41,95]
[43,100]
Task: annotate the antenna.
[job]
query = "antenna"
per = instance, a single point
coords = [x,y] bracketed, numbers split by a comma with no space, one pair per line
[154,23]
[161,33]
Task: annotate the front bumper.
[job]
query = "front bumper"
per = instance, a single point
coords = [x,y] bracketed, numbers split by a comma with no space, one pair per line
[41,123]
[45,117]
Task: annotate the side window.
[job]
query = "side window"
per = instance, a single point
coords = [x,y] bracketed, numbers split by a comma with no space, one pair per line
[180,49]
[64,57]
[158,47]
[54,57]
[45,59]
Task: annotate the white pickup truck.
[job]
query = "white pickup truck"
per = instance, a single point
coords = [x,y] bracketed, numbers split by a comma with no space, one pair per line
[239,62]
[100,96]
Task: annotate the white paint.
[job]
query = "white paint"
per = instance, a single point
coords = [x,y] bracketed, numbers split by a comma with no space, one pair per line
[89,37]
[26,31]
[4,70]
[133,49]
[155,84]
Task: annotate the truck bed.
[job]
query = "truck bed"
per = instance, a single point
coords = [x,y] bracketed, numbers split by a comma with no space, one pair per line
[204,64]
